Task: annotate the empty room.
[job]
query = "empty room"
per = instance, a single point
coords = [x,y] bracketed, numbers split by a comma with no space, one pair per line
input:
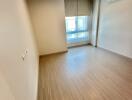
[65,49]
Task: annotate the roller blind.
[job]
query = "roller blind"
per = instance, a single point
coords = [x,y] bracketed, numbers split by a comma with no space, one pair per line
[77,7]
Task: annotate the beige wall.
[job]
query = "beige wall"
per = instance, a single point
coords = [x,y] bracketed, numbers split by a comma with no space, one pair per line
[49,24]
[115,32]
[18,78]
[5,92]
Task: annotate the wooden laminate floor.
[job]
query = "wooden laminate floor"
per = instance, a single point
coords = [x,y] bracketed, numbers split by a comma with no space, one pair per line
[85,73]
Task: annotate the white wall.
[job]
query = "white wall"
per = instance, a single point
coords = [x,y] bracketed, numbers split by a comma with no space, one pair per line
[115,31]
[116,27]
[94,22]
[48,19]
[18,78]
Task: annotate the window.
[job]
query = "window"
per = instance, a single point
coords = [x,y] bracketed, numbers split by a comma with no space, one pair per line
[76,24]
[77,29]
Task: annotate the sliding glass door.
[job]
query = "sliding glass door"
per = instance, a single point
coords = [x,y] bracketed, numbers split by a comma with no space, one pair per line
[77,30]
[77,22]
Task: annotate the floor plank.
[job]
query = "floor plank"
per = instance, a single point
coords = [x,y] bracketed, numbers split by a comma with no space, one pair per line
[85,73]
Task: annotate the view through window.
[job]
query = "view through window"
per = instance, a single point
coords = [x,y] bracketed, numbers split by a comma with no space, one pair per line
[77,29]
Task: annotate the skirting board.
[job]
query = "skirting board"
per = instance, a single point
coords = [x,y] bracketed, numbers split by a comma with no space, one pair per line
[54,53]
[115,53]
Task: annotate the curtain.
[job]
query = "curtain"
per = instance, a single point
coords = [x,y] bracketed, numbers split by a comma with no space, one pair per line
[77,8]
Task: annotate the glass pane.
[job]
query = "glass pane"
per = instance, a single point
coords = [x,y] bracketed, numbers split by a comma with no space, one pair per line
[77,29]
[70,24]
[82,23]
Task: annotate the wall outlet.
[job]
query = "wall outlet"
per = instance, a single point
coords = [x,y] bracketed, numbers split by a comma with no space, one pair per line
[24,55]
